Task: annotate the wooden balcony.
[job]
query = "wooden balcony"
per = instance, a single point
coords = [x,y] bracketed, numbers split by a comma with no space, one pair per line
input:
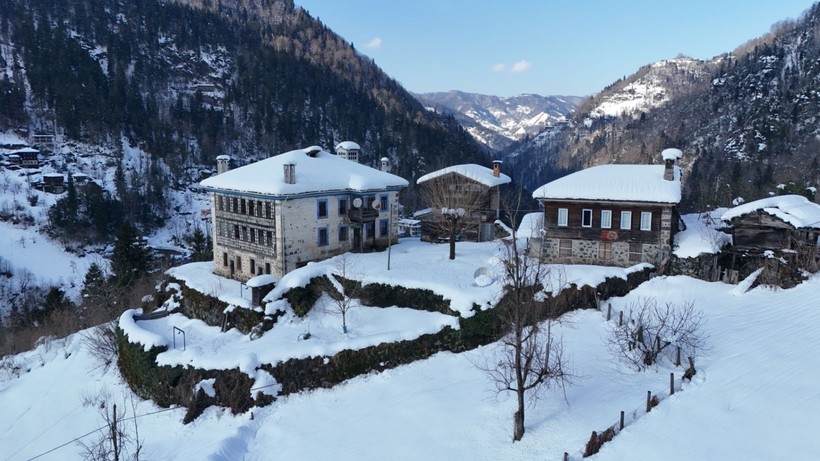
[362,215]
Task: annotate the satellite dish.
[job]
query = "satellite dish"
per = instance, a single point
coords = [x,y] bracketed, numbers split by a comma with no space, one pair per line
[376,204]
[357,202]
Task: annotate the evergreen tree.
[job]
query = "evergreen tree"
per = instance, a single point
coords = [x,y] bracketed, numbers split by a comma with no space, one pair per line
[201,246]
[94,282]
[131,259]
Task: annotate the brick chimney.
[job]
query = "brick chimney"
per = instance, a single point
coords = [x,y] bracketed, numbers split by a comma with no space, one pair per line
[669,158]
[290,173]
[497,168]
[223,164]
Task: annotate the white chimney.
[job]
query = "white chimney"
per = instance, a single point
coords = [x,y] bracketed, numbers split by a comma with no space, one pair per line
[223,164]
[385,164]
[669,158]
[290,173]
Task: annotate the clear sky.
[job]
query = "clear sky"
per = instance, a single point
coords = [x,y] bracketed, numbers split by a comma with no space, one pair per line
[548,47]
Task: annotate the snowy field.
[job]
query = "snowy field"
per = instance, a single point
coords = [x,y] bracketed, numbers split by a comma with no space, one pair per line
[755,395]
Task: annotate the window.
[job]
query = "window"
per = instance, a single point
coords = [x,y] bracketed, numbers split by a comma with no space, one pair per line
[384,204]
[342,206]
[238,263]
[267,268]
[322,237]
[225,259]
[242,208]
[384,227]
[370,229]
[244,234]
[270,239]
[343,233]
[220,203]
[321,208]
[635,254]
[253,236]
[626,220]
[646,220]
[236,231]
[606,219]
[564,247]
[253,265]
[586,217]
[234,204]
[251,208]
[267,210]
[605,250]
[563,217]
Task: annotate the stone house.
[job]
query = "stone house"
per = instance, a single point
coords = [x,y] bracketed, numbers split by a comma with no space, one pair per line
[472,187]
[278,214]
[617,215]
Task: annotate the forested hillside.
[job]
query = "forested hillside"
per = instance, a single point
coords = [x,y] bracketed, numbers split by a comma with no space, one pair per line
[187,83]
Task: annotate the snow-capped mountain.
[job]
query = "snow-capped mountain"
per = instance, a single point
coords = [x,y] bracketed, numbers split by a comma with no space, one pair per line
[496,121]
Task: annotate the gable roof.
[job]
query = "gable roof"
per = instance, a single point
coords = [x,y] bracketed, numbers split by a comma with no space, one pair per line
[792,209]
[319,172]
[478,173]
[631,183]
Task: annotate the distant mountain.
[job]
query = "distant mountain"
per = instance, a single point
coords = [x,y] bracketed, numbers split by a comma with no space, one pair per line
[746,120]
[498,122]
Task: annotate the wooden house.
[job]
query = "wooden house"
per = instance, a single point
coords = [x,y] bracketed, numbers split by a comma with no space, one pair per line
[29,157]
[612,214]
[469,187]
[787,226]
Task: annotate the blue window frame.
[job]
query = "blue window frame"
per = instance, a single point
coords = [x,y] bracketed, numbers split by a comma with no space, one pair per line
[384,227]
[321,208]
[322,239]
[370,229]
[384,203]
[343,233]
[342,206]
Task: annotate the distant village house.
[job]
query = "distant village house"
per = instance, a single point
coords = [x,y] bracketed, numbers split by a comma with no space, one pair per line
[617,215]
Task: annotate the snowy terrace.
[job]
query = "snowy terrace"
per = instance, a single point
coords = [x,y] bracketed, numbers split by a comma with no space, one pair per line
[414,264]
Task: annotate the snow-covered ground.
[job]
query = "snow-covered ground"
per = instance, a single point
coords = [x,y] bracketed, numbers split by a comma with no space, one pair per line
[754,397]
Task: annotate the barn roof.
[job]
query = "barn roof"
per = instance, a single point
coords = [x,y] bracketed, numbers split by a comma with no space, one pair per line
[792,209]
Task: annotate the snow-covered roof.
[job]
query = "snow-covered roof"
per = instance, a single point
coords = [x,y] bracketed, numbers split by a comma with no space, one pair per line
[634,183]
[531,226]
[26,150]
[262,280]
[671,154]
[223,157]
[477,173]
[321,172]
[348,145]
[793,209]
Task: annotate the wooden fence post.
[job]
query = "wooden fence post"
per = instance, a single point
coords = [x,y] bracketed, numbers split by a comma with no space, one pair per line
[622,420]
[621,319]
[648,401]
[671,383]
[608,312]
[677,357]
[566,456]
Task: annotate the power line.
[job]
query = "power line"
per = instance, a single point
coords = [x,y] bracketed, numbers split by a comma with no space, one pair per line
[130,418]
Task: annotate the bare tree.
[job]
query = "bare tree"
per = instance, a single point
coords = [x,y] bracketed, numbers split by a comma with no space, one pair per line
[456,203]
[649,329]
[342,293]
[532,353]
[117,440]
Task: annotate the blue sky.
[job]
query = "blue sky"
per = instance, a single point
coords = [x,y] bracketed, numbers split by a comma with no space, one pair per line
[548,47]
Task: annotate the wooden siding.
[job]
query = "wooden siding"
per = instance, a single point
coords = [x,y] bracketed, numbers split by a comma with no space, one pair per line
[574,229]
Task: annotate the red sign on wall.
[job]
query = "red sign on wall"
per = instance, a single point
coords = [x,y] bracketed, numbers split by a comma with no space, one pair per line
[609,235]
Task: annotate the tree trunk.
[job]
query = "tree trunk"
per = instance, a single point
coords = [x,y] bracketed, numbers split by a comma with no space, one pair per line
[453,244]
[518,420]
